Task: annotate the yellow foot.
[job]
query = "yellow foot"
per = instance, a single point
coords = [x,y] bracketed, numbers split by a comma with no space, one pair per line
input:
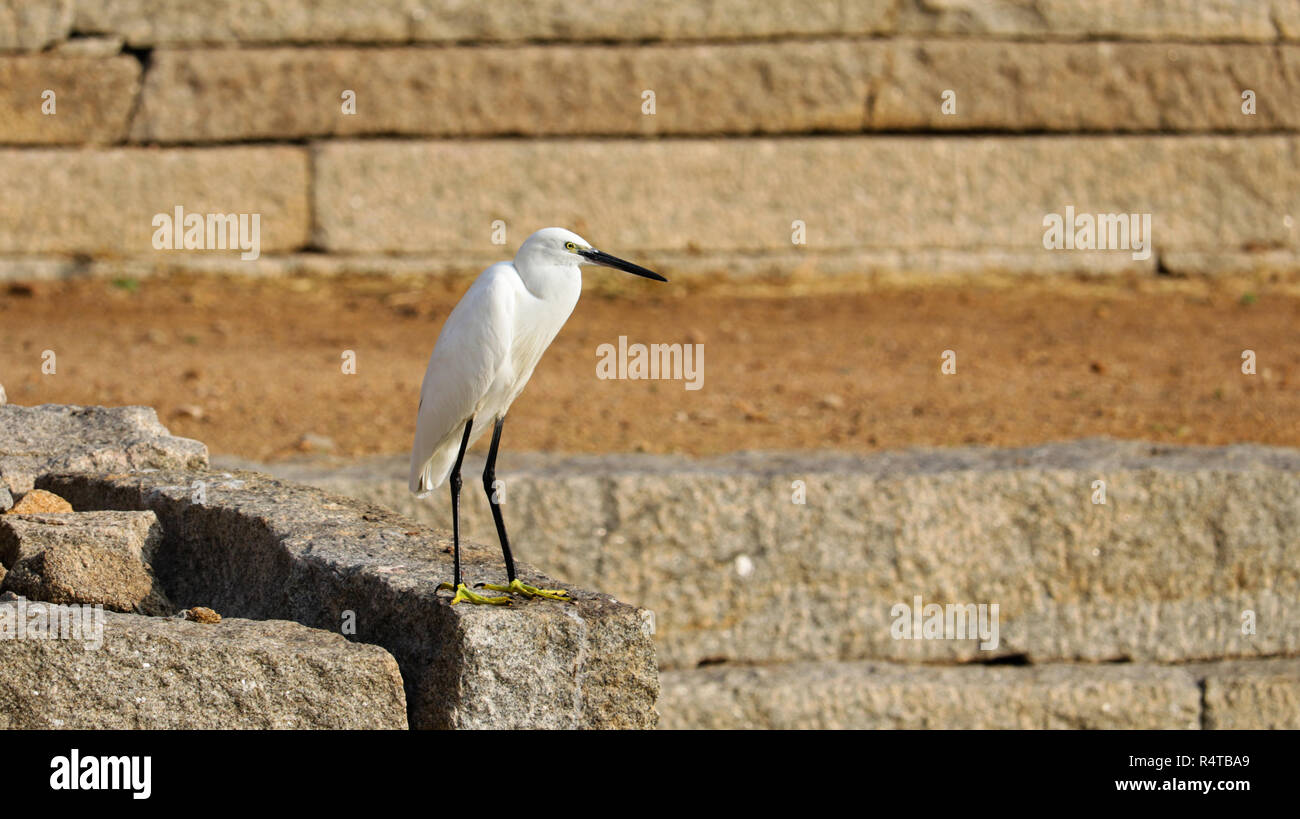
[463,594]
[517,587]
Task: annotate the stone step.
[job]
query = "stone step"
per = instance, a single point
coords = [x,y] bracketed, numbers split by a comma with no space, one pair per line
[792,87]
[145,23]
[1204,193]
[103,201]
[92,99]
[168,22]
[862,695]
[1194,555]
[77,668]
[931,264]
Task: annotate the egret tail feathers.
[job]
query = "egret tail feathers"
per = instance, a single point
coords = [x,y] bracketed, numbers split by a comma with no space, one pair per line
[433,472]
[423,483]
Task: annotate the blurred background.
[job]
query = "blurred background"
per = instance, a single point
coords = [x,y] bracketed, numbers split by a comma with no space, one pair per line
[906,391]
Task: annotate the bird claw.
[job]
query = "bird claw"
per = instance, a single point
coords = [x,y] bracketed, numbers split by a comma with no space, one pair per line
[463,594]
[518,587]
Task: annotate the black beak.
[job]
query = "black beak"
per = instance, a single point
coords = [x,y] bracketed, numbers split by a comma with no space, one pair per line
[605,260]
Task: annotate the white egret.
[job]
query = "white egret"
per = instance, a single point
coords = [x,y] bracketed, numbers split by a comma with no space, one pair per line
[484,356]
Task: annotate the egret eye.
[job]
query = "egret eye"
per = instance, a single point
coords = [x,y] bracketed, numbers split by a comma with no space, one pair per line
[570,246]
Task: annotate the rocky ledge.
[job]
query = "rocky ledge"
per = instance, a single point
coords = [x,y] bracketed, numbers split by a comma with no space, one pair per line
[332,602]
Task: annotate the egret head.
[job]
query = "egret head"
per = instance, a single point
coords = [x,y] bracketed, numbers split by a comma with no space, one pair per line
[560,246]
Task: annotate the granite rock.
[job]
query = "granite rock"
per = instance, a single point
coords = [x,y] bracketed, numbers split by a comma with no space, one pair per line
[164,673]
[1189,540]
[1263,694]
[94,558]
[54,437]
[843,695]
[252,547]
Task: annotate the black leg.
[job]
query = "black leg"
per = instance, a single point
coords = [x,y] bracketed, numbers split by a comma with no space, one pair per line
[455,502]
[489,477]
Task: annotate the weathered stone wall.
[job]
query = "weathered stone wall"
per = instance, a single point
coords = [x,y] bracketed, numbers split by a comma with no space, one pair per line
[1171,605]
[825,112]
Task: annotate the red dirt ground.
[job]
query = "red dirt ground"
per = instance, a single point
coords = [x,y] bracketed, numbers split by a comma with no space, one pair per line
[251,366]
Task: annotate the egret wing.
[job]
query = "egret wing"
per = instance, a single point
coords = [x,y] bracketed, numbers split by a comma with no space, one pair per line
[473,345]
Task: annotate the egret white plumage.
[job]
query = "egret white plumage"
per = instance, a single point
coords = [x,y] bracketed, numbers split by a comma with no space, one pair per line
[483,357]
